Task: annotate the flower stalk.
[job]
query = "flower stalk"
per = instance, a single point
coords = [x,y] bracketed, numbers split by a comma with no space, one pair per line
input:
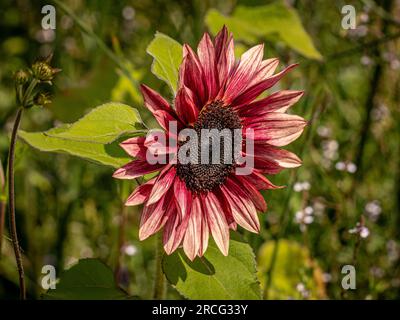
[11,205]
[26,96]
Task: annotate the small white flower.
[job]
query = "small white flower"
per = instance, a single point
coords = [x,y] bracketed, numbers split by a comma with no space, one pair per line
[361,230]
[366,61]
[340,166]
[129,250]
[351,167]
[306,185]
[304,217]
[301,186]
[324,132]
[373,210]
[298,187]
[364,232]
[309,210]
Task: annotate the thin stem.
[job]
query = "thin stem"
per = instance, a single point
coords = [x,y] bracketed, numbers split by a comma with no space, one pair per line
[2,205]
[159,282]
[11,205]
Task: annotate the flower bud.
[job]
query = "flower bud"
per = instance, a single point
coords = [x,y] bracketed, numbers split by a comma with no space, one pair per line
[21,77]
[42,99]
[42,70]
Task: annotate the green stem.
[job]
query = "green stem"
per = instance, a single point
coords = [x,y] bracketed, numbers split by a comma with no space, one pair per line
[2,205]
[159,282]
[11,205]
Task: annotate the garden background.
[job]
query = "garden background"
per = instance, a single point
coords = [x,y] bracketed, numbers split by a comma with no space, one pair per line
[341,207]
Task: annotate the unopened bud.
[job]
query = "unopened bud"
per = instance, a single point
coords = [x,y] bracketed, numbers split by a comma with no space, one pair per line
[42,70]
[42,99]
[21,77]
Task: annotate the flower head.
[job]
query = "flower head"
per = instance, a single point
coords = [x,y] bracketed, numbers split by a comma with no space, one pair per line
[42,71]
[192,200]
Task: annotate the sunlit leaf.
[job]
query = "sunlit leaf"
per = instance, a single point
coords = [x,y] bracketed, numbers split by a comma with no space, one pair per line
[93,137]
[252,23]
[103,124]
[90,279]
[215,276]
[106,154]
[167,54]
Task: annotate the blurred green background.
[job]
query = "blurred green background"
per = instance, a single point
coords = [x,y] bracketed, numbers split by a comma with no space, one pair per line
[68,209]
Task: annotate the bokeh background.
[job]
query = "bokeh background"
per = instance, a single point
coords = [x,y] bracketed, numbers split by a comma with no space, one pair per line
[341,207]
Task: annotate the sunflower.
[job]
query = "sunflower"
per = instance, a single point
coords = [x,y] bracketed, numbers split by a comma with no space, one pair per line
[190,201]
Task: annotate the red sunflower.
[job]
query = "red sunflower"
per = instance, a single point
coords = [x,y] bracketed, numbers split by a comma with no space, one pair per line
[191,201]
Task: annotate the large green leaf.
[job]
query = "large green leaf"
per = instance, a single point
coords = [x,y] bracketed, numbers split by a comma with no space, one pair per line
[90,279]
[103,124]
[106,154]
[215,276]
[93,137]
[167,54]
[251,23]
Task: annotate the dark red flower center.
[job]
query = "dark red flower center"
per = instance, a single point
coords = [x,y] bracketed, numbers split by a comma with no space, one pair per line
[200,177]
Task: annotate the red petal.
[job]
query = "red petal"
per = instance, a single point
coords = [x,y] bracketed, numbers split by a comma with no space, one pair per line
[244,72]
[224,55]
[165,117]
[154,217]
[162,184]
[141,194]
[153,100]
[159,107]
[186,106]
[243,209]
[192,241]
[183,198]
[255,90]
[283,158]
[266,69]
[191,75]
[135,147]
[217,222]
[174,231]
[136,168]
[251,191]
[260,182]
[277,129]
[206,53]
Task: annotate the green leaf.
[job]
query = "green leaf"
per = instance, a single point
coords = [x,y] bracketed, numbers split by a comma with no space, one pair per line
[167,54]
[106,154]
[293,265]
[215,276]
[93,137]
[252,23]
[89,279]
[103,124]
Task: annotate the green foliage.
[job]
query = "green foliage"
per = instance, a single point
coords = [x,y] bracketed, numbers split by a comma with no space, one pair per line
[167,54]
[293,266]
[252,23]
[92,136]
[215,276]
[90,279]
[104,124]
[106,154]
